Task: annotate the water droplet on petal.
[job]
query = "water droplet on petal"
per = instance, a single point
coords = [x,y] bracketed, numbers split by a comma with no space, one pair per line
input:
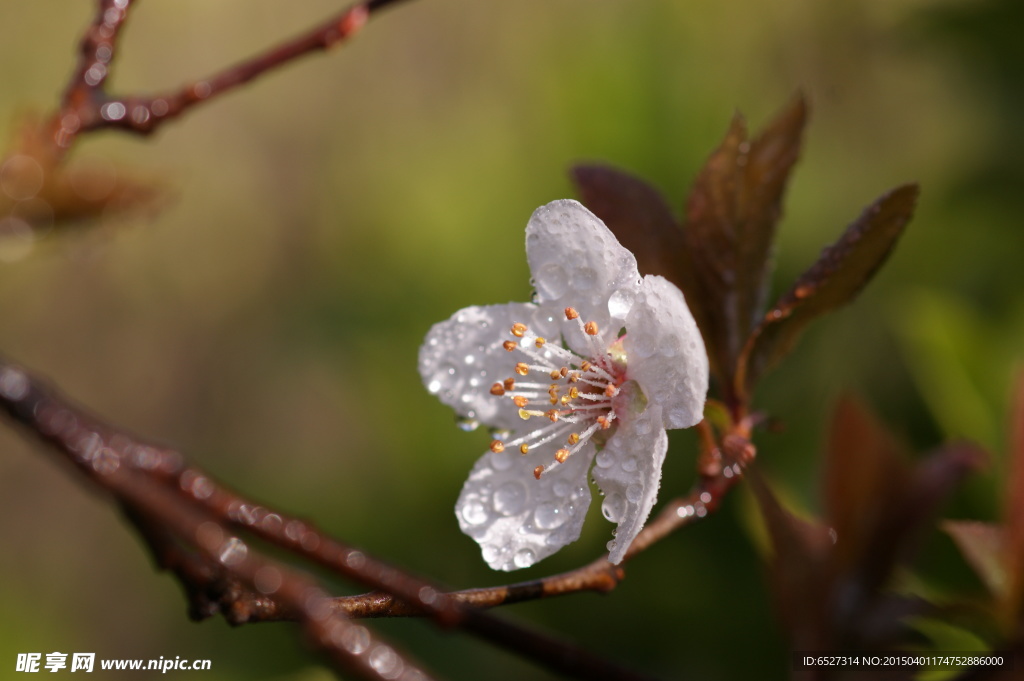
[524,558]
[552,281]
[629,465]
[561,488]
[510,498]
[605,458]
[467,424]
[620,303]
[500,461]
[613,507]
[474,513]
[634,492]
[548,516]
[586,279]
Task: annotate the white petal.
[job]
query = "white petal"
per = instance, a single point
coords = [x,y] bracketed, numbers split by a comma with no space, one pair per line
[518,519]
[576,262]
[628,471]
[665,353]
[461,359]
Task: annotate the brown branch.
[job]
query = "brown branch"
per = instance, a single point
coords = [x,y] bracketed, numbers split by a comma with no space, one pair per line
[158,513]
[173,506]
[86,106]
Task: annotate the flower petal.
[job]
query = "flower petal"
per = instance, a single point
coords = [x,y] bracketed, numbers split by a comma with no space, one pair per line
[666,354]
[461,359]
[628,471]
[517,519]
[576,262]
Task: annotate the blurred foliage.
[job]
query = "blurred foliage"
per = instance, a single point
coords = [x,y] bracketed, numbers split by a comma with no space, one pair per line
[267,321]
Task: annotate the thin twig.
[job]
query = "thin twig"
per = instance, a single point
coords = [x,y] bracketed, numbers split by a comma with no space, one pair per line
[86,105]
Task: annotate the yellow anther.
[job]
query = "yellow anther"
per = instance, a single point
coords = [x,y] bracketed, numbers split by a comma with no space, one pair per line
[510,383]
[605,422]
[574,392]
[524,448]
[518,330]
[574,438]
[522,369]
[571,313]
[590,328]
[611,391]
[497,446]
[537,471]
[524,415]
[498,389]
[563,372]
[561,455]
[520,401]
[551,414]
[510,345]
[555,375]
[574,377]
[540,342]
[585,366]
[565,399]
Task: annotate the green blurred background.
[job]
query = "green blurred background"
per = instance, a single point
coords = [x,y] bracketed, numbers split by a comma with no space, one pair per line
[267,322]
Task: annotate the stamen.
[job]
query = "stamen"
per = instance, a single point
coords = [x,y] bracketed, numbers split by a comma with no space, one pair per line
[555,375]
[537,471]
[611,391]
[590,328]
[605,422]
[574,393]
[571,313]
[520,401]
[510,345]
[574,438]
[586,365]
[518,330]
[510,383]
[497,389]
[497,446]
[562,455]
[540,342]
[551,414]
[522,369]
[524,448]
[563,372]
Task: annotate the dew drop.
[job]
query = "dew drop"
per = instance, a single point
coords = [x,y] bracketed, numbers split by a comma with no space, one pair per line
[620,303]
[613,507]
[524,558]
[500,461]
[561,488]
[629,465]
[490,553]
[552,280]
[548,516]
[467,424]
[510,498]
[605,458]
[586,279]
[634,492]
[474,513]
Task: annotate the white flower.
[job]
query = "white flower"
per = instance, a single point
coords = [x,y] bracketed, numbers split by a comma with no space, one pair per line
[563,386]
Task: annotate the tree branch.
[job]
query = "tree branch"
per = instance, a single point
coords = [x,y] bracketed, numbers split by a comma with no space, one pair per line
[86,106]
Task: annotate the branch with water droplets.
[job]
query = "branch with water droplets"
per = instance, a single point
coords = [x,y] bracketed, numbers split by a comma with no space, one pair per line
[193,527]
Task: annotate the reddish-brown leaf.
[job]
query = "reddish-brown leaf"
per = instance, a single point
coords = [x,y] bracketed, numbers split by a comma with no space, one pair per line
[835,279]
[864,472]
[731,214]
[799,572]
[636,213]
[982,546]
